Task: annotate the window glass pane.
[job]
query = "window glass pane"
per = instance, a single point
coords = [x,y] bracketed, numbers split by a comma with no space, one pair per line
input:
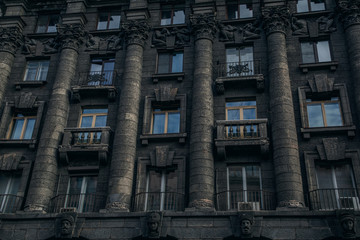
[235,178]
[42,24]
[4,180]
[315,116]
[43,71]
[86,121]
[241,103]
[232,11]
[252,179]
[166,17]
[323,51]
[307,52]
[159,123]
[232,55]
[94,110]
[163,64]
[109,66]
[15,184]
[17,128]
[177,64]
[179,17]
[173,123]
[96,66]
[102,21]
[302,6]
[233,114]
[343,175]
[246,54]
[91,184]
[333,115]
[245,11]
[31,71]
[54,19]
[317,5]
[154,181]
[100,121]
[114,22]
[249,113]
[29,128]
[75,185]
[324,177]
[171,182]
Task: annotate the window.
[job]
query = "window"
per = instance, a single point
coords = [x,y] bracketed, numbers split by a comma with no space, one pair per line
[172,15]
[310,5]
[22,126]
[314,52]
[9,186]
[47,23]
[242,9]
[81,193]
[241,110]
[36,70]
[108,21]
[240,61]
[324,112]
[170,62]
[92,118]
[165,119]
[101,72]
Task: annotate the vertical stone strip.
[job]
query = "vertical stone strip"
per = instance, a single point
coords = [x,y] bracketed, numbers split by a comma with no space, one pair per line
[43,181]
[202,118]
[350,17]
[284,137]
[125,139]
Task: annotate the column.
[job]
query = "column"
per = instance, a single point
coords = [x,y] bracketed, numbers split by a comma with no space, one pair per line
[126,134]
[44,175]
[202,119]
[284,137]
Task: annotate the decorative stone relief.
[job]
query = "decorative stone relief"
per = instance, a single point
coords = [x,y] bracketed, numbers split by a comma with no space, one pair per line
[182,36]
[10,39]
[204,26]
[51,45]
[202,203]
[348,224]
[110,43]
[159,37]
[10,161]
[326,24]
[249,31]
[71,35]
[165,94]
[154,224]
[331,149]
[349,12]
[321,83]
[226,33]
[170,37]
[29,46]
[275,19]
[299,26]
[136,31]
[25,100]
[246,222]
[162,157]
[65,225]
[291,204]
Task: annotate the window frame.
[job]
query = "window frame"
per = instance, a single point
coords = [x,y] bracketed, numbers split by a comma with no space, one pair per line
[93,115]
[8,189]
[308,5]
[23,128]
[240,108]
[166,112]
[316,52]
[171,55]
[109,15]
[238,4]
[172,8]
[38,70]
[49,16]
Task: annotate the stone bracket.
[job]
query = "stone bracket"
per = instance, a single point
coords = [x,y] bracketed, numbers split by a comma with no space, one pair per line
[181,137]
[79,92]
[169,76]
[308,132]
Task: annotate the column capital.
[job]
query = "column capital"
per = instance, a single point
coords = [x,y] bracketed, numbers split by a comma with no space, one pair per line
[10,39]
[71,35]
[204,26]
[136,31]
[349,12]
[275,19]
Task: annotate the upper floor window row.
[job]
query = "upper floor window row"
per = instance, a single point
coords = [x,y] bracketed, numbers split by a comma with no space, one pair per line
[310,5]
[172,14]
[108,20]
[240,9]
[47,23]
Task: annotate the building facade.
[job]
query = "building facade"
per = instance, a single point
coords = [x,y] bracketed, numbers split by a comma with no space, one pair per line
[201,119]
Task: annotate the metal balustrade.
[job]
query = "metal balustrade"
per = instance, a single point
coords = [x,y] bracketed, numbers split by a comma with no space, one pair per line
[241,129]
[237,69]
[160,201]
[81,202]
[10,203]
[97,78]
[83,136]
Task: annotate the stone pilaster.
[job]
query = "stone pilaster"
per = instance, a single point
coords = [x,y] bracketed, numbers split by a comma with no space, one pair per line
[202,118]
[284,137]
[350,17]
[125,139]
[44,176]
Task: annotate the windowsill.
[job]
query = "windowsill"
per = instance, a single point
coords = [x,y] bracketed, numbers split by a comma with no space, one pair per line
[40,35]
[29,84]
[258,79]
[102,31]
[305,67]
[171,25]
[307,132]
[312,13]
[20,142]
[168,76]
[239,20]
[86,91]
[166,136]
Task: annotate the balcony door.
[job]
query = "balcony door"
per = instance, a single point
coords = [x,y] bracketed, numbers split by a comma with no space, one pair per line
[9,186]
[241,110]
[240,61]
[81,193]
[101,72]
[92,118]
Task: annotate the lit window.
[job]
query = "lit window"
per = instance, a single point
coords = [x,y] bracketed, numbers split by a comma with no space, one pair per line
[9,186]
[47,23]
[108,21]
[241,110]
[165,120]
[22,127]
[172,15]
[170,62]
[314,52]
[310,5]
[81,193]
[240,10]
[101,72]
[324,113]
[36,71]
[240,61]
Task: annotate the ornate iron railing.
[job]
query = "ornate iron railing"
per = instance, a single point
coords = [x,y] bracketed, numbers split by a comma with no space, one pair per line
[241,129]
[81,202]
[10,203]
[97,78]
[237,69]
[147,201]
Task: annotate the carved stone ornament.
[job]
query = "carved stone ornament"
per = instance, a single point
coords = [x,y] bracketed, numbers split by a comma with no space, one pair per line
[246,221]
[348,224]
[321,83]
[349,12]
[154,224]
[10,161]
[291,204]
[226,32]
[326,24]
[65,225]
[165,94]
[29,46]
[249,31]
[161,157]
[25,101]
[182,36]
[170,37]
[71,35]
[331,149]
[204,26]
[159,37]
[10,39]
[202,203]
[275,19]
[51,45]
[118,203]
[299,26]
[136,31]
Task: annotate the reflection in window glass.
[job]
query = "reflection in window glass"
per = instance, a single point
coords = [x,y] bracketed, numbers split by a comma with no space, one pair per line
[333,115]
[313,52]
[165,121]
[108,21]
[47,23]
[310,5]
[323,51]
[315,116]
[170,62]
[172,16]
[307,51]
[36,71]
[22,127]
[326,113]
[244,9]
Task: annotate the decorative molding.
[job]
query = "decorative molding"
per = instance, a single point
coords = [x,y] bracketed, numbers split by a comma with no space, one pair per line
[331,149]
[71,35]
[176,37]
[321,83]
[275,19]
[25,101]
[136,31]
[65,224]
[349,12]
[10,39]
[10,161]
[165,94]
[204,26]
[202,203]
[162,157]
[291,204]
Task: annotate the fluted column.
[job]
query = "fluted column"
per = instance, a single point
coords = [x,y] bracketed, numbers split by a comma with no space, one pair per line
[125,139]
[284,137]
[202,114]
[44,175]
[350,17]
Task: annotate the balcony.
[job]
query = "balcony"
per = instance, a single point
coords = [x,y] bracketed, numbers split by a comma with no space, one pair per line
[245,200]
[10,203]
[239,72]
[158,201]
[80,141]
[332,199]
[95,82]
[80,202]
[241,133]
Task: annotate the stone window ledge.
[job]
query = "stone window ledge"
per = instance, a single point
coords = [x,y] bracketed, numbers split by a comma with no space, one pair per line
[42,35]
[258,79]
[105,31]
[168,76]
[312,14]
[162,137]
[79,92]
[305,67]
[29,84]
[307,132]
[170,26]
[239,20]
[30,143]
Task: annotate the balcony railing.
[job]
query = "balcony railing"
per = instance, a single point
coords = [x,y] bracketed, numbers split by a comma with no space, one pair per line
[160,201]
[97,78]
[86,136]
[331,199]
[82,202]
[245,200]
[10,203]
[238,69]
[241,129]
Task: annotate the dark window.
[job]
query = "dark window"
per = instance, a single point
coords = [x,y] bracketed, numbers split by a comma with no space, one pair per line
[172,15]
[101,71]
[108,21]
[238,10]
[36,70]
[170,62]
[47,23]
[310,5]
[314,52]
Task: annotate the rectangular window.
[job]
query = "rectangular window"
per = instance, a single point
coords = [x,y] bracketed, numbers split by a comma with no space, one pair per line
[314,52]
[81,193]
[47,23]
[36,70]
[324,112]
[170,62]
[22,126]
[240,61]
[172,15]
[9,187]
[108,21]
[101,72]
[165,119]
[310,5]
[92,118]
[241,110]
[240,10]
